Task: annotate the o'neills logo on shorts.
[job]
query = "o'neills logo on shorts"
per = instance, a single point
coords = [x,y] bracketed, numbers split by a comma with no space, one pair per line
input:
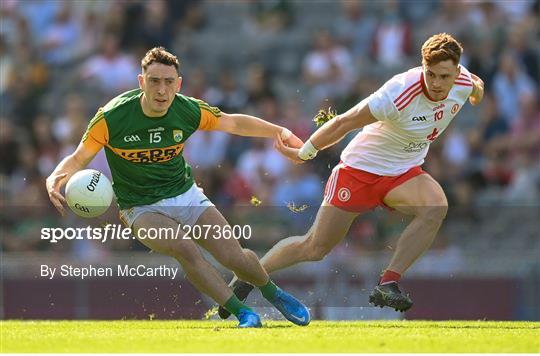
[151,155]
[344,194]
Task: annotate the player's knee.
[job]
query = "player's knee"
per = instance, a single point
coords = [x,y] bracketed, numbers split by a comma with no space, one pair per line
[165,249]
[236,262]
[186,257]
[435,212]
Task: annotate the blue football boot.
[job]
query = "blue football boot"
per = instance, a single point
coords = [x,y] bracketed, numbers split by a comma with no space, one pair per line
[249,319]
[291,308]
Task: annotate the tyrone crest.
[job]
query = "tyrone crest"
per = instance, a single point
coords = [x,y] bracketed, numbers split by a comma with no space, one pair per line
[454,109]
[178,135]
[344,194]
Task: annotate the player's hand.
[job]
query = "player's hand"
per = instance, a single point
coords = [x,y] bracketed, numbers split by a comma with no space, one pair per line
[289,152]
[293,141]
[54,183]
[478,90]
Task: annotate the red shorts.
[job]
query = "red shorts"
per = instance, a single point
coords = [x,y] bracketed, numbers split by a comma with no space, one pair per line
[357,191]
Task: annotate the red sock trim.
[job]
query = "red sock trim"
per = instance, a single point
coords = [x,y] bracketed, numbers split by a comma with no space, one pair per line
[390,276]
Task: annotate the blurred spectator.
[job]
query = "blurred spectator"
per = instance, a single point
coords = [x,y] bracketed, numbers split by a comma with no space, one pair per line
[260,166]
[488,24]
[295,119]
[91,35]
[6,66]
[456,149]
[491,126]
[112,70]
[271,16]
[258,84]
[9,147]
[392,41]
[206,149]
[228,96]
[10,19]
[153,24]
[68,128]
[40,15]
[47,147]
[524,135]
[450,17]
[355,28]
[520,42]
[26,87]
[328,67]
[511,83]
[516,10]
[301,186]
[194,83]
[61,37]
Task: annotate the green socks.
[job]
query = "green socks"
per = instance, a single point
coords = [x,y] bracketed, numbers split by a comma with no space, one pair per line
[234,305]
[269,290]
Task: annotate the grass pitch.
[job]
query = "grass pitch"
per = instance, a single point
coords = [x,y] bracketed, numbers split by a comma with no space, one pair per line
[276,336]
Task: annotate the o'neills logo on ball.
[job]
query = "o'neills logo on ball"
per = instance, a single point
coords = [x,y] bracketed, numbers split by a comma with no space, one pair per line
[455,108]
[344,194]
[93,183]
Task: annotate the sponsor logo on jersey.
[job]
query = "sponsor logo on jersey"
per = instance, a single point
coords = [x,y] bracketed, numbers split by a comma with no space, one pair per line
[157,129]
[344,194]
[149,155]
[132,138]
[419,118]
[455,108]
[415,146]
[178,135]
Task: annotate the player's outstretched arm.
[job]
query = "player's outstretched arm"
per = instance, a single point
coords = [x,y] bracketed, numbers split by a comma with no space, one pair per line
[246,125]
[330,133]
[478,90]
[65,169]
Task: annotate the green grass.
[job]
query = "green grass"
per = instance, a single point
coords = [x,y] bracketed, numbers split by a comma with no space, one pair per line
[319,336]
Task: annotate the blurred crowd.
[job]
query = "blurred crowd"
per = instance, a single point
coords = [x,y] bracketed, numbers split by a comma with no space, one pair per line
[276,59]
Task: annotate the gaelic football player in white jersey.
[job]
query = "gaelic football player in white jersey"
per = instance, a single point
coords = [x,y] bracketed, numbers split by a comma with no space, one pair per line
[381,166]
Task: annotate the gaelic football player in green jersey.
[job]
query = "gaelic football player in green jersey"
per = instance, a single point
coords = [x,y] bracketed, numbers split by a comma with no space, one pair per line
[143,132]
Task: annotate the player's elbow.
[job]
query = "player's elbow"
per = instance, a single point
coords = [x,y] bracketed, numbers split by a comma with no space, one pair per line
[229,123]
[81,157]
[344,124]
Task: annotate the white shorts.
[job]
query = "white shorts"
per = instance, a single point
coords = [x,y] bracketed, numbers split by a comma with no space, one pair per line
[185,208]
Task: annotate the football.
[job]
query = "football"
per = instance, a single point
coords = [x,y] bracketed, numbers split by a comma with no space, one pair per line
[89,193]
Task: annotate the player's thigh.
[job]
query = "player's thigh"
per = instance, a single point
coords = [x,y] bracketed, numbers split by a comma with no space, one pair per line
[418,195]
[167,242]
[215,237]
[330,227]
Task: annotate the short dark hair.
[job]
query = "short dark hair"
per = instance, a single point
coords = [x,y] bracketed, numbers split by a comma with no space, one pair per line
[159,55]
[441,47]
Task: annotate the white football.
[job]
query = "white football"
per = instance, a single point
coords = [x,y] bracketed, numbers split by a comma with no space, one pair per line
[89,193]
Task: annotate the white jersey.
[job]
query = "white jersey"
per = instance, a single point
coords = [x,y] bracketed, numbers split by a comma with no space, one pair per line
[408,122]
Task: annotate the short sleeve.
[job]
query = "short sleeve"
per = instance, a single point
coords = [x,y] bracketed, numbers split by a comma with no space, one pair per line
[210,116]
[381,105]
[97,133]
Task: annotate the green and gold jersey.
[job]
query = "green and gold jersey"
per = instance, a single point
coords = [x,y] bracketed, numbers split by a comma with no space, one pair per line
[145,153]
